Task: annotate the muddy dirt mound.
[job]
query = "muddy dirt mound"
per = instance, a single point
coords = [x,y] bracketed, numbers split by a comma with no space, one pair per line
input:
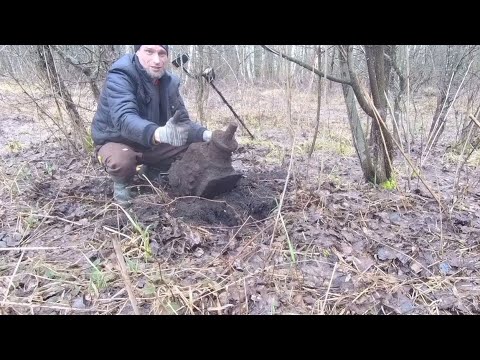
[254,196]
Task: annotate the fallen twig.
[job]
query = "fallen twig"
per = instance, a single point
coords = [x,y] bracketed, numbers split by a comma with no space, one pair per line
[126,279]
[322,312]
[11,278]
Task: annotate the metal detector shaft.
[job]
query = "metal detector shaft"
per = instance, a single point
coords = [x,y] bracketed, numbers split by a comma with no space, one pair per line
[180,60]
[188,73]
[231,109]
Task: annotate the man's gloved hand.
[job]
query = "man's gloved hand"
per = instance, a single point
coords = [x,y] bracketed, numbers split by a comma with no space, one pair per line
[175,131]
[207,135]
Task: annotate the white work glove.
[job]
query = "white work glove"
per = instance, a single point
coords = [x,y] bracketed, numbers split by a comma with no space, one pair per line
[207,135]
[175,131]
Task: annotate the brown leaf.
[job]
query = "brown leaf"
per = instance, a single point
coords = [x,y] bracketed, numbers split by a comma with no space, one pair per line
[198,252]
[298,300]
[395,218]
[84,221]
[400,303]
[385,253]
[384,216]
[342,282]
[309,300]
[79,303]
[346,249]
[348,236]
[416,267]
[13,240]
[445,299]
[363,263]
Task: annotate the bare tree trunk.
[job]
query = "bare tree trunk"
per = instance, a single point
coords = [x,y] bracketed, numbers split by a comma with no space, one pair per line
[319,102]
[332,66]
[47,65]
[444,99]
[398,60]
[257,63]
[248,59]
[451,81]
[358,135]
[238,52]
[439,118]
[201,85]
[380,138]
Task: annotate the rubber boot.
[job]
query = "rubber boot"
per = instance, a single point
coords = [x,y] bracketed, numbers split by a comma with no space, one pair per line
[122,193]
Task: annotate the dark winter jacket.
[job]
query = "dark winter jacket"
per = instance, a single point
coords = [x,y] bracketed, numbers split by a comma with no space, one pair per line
[131,107]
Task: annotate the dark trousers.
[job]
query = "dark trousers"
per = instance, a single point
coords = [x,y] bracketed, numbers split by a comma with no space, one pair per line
[121,161]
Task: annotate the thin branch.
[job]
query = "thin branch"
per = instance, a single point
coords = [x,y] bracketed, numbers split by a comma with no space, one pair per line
[395,67]
[306,66]
[359,91]
[322,312]
[319,103]
[417,172]
[126,279]
[72,61]
[10,283]
[284,192]
[471,117]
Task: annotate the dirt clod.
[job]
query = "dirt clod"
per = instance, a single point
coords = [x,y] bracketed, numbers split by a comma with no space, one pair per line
[206,168]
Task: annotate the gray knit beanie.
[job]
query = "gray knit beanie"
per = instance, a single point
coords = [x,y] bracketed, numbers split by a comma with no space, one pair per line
[136,47]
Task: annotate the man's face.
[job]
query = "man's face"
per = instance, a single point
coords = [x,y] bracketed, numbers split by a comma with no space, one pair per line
[154,59]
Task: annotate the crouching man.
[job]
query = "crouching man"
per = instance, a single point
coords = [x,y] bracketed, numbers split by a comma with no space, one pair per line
[141,119]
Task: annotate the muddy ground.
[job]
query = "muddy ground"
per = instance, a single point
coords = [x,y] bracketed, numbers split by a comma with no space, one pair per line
[340,246]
